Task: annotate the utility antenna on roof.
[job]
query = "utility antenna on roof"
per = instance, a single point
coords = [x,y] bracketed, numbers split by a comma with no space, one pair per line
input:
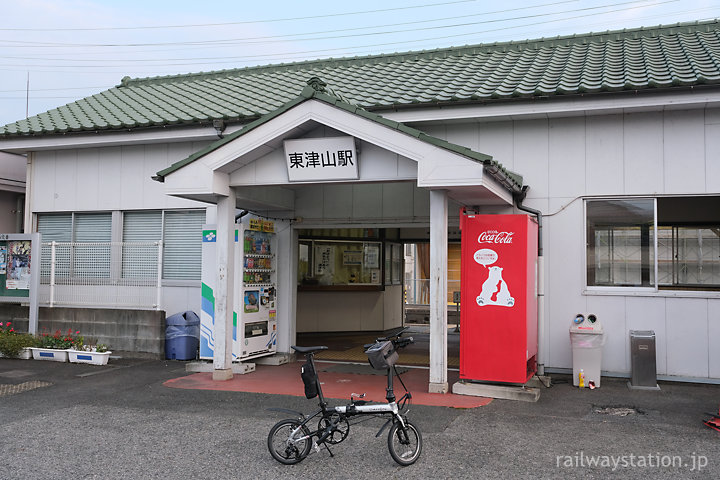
[27,96]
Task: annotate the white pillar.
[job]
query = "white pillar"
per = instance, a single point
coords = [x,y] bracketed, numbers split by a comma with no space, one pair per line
[438,291]
[224,290]
[36,248]
[287,262]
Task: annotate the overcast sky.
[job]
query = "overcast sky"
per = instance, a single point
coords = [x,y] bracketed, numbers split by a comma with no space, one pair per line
[70,49]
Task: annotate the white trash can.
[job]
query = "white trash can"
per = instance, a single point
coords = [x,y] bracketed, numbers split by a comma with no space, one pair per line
[587,339]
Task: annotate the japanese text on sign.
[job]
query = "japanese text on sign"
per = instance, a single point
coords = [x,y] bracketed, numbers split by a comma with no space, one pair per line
[326,159]
[260,225]
[321,159]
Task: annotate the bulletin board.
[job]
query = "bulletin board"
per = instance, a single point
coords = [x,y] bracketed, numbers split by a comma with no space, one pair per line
[20,271]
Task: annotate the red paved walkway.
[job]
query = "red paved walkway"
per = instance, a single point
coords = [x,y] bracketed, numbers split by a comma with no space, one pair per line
[285,380]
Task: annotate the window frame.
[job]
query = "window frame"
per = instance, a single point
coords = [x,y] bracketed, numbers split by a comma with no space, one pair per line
[75,263]
[164,229]
[612,289]
[656,289]
[117,225]
[169,282]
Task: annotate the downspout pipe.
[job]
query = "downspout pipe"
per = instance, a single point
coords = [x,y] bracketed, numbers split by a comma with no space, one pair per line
[20,213]
[519,197]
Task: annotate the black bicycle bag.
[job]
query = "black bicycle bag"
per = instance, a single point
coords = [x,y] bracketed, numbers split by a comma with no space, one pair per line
[382,355]
[307,373]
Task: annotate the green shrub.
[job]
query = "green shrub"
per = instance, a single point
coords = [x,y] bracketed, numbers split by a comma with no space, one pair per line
[12,343]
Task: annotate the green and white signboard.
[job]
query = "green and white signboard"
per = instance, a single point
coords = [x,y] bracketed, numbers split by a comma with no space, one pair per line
[20,271]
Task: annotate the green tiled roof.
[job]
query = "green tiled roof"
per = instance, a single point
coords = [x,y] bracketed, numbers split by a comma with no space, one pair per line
[318,90]
[676,56]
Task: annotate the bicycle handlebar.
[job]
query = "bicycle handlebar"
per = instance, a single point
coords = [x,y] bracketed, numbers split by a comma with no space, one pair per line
[403,342]
[396,339]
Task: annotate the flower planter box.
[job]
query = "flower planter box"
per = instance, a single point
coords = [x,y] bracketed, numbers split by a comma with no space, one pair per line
[51,354]
[94,358]
[25,354]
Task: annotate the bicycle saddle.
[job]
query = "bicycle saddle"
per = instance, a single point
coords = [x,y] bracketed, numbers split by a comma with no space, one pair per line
[308,349]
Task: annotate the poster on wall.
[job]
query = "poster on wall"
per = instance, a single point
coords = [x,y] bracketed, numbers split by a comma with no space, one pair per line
[18,265]
[352,257]
[324,260]
[372,256]
[397,264]
[3,259]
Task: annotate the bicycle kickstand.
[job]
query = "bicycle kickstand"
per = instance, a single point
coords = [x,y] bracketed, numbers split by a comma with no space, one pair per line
[328,449]
[316,447]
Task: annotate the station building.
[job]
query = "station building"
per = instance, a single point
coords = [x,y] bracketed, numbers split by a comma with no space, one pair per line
[612,139]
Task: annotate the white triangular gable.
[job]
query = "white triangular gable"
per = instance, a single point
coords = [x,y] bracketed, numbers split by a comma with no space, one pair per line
[229,165]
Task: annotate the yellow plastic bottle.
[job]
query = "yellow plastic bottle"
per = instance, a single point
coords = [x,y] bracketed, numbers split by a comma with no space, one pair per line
[581,379]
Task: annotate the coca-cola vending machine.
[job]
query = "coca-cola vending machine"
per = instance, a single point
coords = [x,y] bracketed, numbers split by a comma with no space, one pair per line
[498,309]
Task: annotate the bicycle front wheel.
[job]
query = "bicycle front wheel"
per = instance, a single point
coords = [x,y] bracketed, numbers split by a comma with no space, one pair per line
[284,446]
[405,445]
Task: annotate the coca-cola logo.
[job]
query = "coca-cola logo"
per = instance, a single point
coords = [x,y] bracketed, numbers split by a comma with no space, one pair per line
[493,236]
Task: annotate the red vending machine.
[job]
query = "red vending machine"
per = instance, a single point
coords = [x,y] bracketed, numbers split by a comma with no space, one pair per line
[498,309]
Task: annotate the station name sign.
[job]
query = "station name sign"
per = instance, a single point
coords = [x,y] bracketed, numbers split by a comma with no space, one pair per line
[321,159]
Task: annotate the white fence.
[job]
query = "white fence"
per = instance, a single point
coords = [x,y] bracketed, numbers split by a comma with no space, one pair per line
[417,290]
[104,275]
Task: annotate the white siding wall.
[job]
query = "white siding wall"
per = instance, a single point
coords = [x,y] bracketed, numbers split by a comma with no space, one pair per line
[114,178]
[642,153]
[370,204]
[562,159]
[12,187]
[8,217]
[375,164]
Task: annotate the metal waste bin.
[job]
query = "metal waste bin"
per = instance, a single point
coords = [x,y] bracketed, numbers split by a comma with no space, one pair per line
[642,360]
[182,336]
[587,339]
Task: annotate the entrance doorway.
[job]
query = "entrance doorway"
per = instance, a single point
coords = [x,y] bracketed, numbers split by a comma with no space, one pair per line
[355,284]
[348,346]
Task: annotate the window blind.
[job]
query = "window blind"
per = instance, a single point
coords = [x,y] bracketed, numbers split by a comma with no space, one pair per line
[182,237]
[57,228]
[92,261]
[140,261]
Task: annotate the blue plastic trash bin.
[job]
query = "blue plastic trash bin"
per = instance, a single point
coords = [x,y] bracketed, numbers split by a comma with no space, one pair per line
[182,336]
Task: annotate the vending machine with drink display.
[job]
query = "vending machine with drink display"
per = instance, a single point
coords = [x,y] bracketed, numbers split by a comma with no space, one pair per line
[254,308]
[498,309]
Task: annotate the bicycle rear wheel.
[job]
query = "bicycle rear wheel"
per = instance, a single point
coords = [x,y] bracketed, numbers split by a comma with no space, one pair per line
[286,448]
[404,445]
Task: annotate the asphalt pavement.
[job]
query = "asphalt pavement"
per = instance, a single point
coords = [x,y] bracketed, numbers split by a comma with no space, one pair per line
[62,421]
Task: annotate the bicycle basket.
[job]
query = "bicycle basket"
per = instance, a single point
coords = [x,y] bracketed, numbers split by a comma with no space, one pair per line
[307,373]
[382,355]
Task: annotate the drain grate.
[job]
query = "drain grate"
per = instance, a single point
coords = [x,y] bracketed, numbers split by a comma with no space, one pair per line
[10,389]
[618,410]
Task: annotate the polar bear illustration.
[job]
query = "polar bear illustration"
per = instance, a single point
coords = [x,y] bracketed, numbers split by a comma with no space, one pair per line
[494,290]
